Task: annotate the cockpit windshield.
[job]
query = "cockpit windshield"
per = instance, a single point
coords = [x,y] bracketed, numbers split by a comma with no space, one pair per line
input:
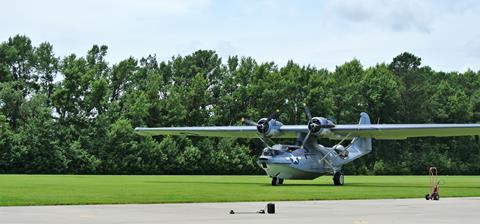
[279,150]
[267,152]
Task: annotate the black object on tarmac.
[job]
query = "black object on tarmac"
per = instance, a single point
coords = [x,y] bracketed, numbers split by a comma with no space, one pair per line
[270,210]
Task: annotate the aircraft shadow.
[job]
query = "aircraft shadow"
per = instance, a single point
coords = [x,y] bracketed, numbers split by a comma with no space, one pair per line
[287,184]
[236,183]
[298,185]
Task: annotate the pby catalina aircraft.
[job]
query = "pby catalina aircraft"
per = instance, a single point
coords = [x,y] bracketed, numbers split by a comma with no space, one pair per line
[308,159]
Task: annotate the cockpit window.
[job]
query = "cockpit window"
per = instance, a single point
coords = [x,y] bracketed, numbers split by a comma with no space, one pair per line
[267,152]
[292,148]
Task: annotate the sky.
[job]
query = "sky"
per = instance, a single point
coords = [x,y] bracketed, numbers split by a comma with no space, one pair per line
[324,34]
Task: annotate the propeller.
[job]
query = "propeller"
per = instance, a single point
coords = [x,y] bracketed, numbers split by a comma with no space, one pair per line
[261,137]
[307,112]
[309,117]
[248,121]
[273,115]
[315,124]
[263,126]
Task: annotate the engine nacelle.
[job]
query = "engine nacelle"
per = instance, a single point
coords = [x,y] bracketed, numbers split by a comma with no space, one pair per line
[320,126]
[268,128]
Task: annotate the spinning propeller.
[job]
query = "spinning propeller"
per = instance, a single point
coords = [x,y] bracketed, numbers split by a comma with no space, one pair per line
[270,127]
[266,127]
[316,125]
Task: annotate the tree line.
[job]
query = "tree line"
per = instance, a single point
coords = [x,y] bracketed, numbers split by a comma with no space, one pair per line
[76,114]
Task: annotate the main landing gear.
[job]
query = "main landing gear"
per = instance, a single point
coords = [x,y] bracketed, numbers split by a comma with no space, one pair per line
[277,181]
[338,178]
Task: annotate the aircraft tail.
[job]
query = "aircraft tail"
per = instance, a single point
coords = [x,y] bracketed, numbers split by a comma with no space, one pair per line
[364,118]
[364,145]
[359,146]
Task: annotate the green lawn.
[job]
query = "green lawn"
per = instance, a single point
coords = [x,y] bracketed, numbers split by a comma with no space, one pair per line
[86,189]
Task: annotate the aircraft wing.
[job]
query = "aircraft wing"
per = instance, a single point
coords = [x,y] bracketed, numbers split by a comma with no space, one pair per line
[403,131]
[376,131]
[286,131]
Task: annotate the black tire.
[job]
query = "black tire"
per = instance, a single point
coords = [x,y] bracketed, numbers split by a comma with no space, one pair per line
[280,181]
[427,197]
[338,178]
[275,181]
[436,197]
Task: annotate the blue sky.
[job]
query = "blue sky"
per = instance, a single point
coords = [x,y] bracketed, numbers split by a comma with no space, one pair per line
[324,34]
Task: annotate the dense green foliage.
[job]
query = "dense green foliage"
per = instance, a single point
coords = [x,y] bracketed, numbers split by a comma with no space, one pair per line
[83,123]
[120,189]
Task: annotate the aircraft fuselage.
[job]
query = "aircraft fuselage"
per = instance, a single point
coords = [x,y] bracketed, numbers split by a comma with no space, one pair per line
[293,162]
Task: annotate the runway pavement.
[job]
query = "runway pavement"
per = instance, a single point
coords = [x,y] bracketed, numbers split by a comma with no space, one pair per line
[447,210]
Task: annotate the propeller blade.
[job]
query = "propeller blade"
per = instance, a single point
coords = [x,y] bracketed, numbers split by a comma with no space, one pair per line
[309,117]
[248,121]
[307,112]
[305,139]
[274,115]
[264,142]
[299,139]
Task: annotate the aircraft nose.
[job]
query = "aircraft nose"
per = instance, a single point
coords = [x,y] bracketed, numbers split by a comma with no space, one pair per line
[262,161]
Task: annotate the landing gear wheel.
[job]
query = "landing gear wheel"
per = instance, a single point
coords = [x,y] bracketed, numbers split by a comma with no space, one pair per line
[338,178]
[276,181]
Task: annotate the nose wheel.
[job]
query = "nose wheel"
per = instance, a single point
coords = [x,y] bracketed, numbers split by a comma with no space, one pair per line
[277,181]
[338,178]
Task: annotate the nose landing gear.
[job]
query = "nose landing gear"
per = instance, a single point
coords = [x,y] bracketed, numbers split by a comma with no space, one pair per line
[277,181]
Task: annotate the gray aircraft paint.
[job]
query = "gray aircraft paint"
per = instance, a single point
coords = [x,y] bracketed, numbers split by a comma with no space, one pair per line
[311,160]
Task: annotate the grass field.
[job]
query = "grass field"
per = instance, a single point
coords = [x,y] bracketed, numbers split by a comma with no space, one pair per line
[86,189]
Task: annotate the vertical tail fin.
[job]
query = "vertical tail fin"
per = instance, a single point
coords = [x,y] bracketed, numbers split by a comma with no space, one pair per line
[364,118]
[359,146]
[364,145]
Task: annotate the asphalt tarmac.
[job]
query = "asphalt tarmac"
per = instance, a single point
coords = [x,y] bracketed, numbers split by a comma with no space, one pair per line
[447,210]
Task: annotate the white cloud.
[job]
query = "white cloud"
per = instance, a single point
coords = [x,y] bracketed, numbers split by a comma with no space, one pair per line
[397,15]
[320,33]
